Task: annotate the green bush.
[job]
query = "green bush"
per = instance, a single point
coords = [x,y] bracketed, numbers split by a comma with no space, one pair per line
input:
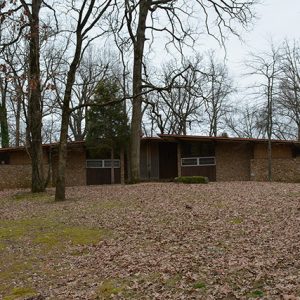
[191,179]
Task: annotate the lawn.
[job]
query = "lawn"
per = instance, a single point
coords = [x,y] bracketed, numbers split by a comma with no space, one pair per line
[152,241]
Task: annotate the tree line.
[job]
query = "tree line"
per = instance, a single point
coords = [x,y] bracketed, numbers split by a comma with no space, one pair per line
[55,55]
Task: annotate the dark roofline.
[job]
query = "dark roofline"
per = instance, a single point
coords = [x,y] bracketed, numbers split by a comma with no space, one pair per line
[172,138]
[45,146]
[176,137]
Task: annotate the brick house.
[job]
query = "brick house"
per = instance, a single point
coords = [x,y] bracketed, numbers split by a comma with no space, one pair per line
[219,158]
[163,158]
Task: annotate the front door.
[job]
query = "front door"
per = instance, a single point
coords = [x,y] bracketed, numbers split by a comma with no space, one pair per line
[167,160]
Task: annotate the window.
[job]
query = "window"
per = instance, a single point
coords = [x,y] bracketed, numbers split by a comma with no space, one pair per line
[4,158]
[198,161]
[189,161]
[102,163]
[107,163]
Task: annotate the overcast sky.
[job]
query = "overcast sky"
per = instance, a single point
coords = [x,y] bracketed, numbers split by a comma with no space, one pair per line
[277,20]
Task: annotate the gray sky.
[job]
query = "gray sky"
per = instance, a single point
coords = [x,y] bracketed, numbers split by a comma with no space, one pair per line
[277,20]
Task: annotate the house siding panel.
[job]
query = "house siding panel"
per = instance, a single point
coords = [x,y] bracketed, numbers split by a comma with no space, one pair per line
[207,171]
[233,161]
[278,151]
[75,169]
[154,161]
[284,170]
[15,176]
[143,161]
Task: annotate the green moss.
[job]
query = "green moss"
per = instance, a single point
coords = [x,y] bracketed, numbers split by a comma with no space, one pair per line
[74,235]
[108,205]
[110,287]
[256,294]
[2,246]
[20,293]
[191,179]
[50,233]
[26,196]
[172,281]
[199,285]
[14,269]
[11,231]
[236,221]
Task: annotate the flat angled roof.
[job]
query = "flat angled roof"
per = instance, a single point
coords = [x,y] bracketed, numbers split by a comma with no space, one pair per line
[21,148]
[176,137]
[173,138]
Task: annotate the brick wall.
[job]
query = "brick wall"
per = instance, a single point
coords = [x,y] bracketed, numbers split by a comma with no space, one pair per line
[287,170]
[233,161]
[15,176]
[76,170]
[278,151]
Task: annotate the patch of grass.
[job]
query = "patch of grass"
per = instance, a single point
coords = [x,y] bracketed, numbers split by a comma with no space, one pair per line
[237,221]
[2,246]
[74,235]
[199,285]
[11,230]
[220,205]
[108,205]
[191,179]
[20,293]
[255,294]
[172,281]
[27,196]
[110,287]
[50,233]
[44,236]
[10,268]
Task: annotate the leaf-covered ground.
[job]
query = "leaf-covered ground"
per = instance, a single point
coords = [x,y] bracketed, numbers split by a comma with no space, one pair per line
[152,241]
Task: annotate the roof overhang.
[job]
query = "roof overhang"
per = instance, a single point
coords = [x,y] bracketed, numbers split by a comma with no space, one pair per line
[195,138]
[70,145]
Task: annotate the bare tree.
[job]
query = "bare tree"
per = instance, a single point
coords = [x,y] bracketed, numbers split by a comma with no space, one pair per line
[175,109]
[141,17]
[266,66]
[4,85]
[244,122]
[21,20]
[89,13]
[217,88]
[31,13]
[93,68]
[289,99]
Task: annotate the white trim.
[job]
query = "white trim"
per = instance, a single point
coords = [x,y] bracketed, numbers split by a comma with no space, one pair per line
[102,163]
[198,161]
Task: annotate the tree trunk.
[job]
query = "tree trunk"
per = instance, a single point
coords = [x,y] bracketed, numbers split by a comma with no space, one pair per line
[60,191]
[3,118]
[18,118]
[112,168]
[136,119]
[122,162]
[3,113]
[269,159]
[34,103]
[270,126]
[179,159]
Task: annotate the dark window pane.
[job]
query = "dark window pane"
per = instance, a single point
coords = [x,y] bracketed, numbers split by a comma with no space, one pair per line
[189,161]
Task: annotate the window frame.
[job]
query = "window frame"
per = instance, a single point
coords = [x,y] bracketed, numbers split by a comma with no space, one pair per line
[103,163]
[198,161]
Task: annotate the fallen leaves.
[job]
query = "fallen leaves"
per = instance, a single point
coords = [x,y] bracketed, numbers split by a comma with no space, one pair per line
[236,240]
